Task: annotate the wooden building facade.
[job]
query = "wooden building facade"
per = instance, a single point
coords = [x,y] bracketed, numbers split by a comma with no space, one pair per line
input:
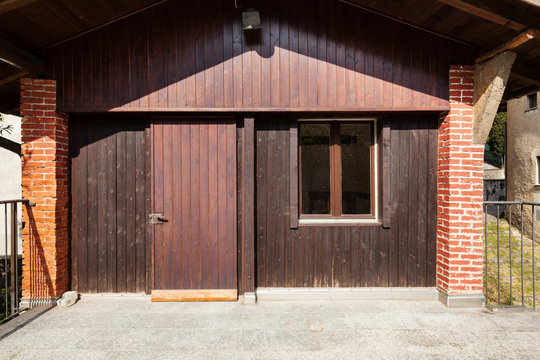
[179,112]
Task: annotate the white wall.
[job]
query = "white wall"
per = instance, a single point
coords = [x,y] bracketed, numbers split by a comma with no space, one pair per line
[10,177]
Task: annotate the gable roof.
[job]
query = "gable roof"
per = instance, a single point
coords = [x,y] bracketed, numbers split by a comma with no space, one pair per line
[29,26]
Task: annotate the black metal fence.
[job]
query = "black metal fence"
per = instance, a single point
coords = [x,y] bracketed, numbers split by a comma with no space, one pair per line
[10,258]
[511,255]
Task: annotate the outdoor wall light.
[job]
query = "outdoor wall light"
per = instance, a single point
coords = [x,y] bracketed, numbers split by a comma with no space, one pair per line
[251,20]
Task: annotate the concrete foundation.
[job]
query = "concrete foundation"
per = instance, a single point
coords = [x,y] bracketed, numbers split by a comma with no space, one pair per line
[466,300]
[345,294]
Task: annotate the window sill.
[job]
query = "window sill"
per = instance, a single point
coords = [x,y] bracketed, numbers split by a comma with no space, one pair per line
[339,222]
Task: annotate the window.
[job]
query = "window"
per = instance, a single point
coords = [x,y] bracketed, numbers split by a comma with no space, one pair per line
[532,101]
[337,169]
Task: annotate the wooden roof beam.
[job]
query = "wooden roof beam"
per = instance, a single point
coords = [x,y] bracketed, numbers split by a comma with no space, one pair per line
[12,78]
[359,5]
[8,5]
[522,92]
[509,45]
[526,73]
[21,59]
[532,2]
[498,11]
[484,14]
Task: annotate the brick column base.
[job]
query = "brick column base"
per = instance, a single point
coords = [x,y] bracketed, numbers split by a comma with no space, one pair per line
[459,198]
[45,182]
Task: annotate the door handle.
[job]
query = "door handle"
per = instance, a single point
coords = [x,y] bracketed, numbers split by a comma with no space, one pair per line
[157,219]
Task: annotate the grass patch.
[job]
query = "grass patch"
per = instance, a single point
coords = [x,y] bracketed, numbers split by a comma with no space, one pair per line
[508,268]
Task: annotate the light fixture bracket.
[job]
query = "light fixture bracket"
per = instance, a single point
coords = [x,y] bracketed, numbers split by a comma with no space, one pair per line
[251,19]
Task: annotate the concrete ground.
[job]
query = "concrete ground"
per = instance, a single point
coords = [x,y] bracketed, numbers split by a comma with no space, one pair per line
[135,328]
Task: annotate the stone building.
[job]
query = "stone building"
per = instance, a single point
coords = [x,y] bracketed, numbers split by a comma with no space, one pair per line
[523,149]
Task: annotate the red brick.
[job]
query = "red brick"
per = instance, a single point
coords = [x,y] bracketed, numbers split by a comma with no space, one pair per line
[44,179]
[459,195]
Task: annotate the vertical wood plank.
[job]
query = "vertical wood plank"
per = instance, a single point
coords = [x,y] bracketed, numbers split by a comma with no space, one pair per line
[282,150]
[213,200]
[403,200]
[222,204]
[101,208]
[293,173]
[92,250]
[228,95]
[204,171]
[261,176]
[237,61]
[186,246]
[431,251]
[230,209]
[194,194]
[387,199]
[140,207]
[247,194]
[274,60]
[413,202]
[284,50]
[148,207]
[111,210]
[130,185]
[423,165]
[158,198]
[121,221]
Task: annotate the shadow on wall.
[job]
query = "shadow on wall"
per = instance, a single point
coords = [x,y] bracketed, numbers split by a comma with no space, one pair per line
[45,238]
[37,282]
[307,54]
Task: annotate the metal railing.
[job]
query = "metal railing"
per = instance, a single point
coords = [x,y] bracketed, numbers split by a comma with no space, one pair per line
[511,254]
[10,262]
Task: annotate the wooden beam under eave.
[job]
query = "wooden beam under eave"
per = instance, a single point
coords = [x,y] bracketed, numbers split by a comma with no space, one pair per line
[13,77]
[509,45]
[522,92]
[526,73]
[525,78]
[532,2]
[496,10]
[484,14]
[8,5]
[21,59]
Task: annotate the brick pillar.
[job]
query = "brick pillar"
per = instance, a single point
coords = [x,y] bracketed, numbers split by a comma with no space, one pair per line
[459,198]
[44,182]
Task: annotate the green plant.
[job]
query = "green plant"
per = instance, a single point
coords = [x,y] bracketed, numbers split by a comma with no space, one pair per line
[497,135]
[504,263]
[3,300]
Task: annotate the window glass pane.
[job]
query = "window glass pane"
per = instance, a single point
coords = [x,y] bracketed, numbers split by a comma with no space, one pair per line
[315,163]
[356,168]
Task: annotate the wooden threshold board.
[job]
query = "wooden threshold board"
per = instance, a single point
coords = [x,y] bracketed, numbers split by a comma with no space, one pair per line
[194,295]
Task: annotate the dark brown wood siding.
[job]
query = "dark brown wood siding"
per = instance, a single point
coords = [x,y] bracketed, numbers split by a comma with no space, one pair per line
[349,256]
[110,197]
[194,55]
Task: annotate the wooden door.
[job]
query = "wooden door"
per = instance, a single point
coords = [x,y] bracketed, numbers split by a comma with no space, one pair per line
[194,188]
